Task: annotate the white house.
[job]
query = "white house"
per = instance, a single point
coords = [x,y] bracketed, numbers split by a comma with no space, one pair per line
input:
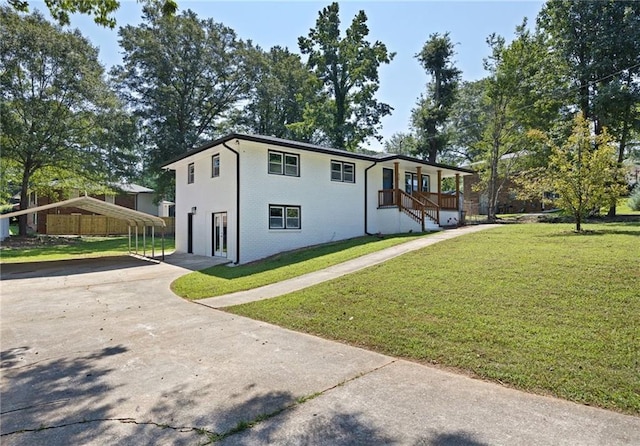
[246,197]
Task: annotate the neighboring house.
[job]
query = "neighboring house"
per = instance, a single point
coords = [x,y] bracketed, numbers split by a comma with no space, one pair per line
[129,195]
[166,208]
[246,197]
[632,175]
[4,229]
[476,202]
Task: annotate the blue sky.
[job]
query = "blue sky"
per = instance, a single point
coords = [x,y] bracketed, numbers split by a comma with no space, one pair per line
[403,26]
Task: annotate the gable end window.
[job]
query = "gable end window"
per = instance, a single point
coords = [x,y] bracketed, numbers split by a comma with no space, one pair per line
[284,217]
[341,171]
[191,173]
[215,165]
[281,163]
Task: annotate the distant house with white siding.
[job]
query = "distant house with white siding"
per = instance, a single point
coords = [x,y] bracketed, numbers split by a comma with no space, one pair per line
[246,197]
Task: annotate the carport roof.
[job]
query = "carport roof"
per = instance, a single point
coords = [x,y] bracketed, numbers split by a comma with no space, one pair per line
[134,218]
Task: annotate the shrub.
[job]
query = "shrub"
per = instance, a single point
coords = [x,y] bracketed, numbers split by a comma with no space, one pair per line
[6,208]
[634,199]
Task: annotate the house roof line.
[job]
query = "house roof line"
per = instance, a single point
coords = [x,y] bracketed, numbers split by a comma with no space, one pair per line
[134,218]
[309,147]
[131,188]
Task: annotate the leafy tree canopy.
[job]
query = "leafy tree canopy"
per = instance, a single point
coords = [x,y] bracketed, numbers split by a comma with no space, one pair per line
[430,116]
[100,10]
[347,66]
[599,43]
[401,144]
[52,95]
[182,76]
[281,88]
[583,172]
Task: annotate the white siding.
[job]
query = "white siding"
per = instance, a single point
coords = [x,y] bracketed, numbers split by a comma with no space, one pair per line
[392,221]
[449,218]
[4,228]
[207,195]
[330,210]
[144,203]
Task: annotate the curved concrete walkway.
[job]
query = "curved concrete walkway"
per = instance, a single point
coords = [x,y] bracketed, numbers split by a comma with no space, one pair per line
[332,272]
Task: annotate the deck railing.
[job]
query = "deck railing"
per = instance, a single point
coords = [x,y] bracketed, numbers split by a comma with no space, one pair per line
[417,206]
[387,197]
[444,201]
[448,202]
[412,207]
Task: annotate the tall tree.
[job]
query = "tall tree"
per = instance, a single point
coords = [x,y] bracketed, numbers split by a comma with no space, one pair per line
[282,87]
[348,67]
[467,121]
[117,144]
[495,114]
[433,109]
[499,144]
[52,91]
[502,142]
[600,44]
[182,76]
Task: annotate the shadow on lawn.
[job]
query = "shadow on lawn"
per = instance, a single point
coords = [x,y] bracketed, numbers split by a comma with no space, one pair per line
[612,229]
[290,258]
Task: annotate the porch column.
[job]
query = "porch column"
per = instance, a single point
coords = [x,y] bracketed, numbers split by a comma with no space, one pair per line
[419,178]
[439,188]
[396,180]
[458,191]
[439,194]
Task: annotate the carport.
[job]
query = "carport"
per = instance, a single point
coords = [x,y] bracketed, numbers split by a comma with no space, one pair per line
[135,219]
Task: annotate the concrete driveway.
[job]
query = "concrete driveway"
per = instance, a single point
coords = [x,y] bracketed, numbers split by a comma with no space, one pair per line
[101,352]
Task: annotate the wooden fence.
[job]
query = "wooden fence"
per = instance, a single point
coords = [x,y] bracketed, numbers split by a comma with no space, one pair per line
[76,224]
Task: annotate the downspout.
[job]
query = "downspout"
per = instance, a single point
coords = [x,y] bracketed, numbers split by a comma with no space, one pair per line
[237,202]
[366,196]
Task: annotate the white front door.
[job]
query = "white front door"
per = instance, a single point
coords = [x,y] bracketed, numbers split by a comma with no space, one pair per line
[219,234]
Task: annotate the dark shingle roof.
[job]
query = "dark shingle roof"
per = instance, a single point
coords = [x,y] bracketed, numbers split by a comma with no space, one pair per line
[309,147]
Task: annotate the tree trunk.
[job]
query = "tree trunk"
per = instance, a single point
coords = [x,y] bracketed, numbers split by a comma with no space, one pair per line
[623,142]
[433,143]
[24,201]
[493,175]
[493,191]
[578,222]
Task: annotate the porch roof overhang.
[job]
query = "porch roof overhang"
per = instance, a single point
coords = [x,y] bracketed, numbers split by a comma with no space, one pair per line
[407,163]
[133,218]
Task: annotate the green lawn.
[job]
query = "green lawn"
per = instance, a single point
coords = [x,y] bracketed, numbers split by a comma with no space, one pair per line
[622,208]
[219,280]
[53,248]
[534,306]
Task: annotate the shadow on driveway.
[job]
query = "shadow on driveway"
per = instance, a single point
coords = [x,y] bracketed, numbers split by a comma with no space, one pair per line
[29,270]
[43,395]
